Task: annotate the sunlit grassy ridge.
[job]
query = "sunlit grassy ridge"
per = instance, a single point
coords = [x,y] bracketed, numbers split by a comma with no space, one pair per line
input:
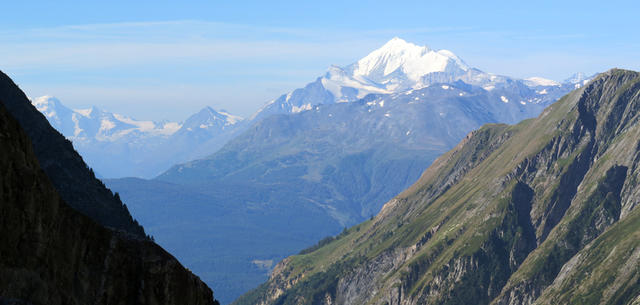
[495,219]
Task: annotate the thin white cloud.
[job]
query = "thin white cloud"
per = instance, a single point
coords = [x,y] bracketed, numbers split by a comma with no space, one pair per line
[116,44]
[137,43]
[99,55]
[192,28]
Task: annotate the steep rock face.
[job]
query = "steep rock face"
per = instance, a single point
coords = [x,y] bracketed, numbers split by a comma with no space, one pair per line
[517,214]
[52,254]
[593,187]
[74,181]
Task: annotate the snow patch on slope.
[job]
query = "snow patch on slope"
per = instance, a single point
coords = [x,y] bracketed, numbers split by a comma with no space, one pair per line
[539,81]
[84,112]
[230,118]
[296,109]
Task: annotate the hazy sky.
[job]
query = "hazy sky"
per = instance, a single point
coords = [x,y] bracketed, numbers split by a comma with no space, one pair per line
[161,59]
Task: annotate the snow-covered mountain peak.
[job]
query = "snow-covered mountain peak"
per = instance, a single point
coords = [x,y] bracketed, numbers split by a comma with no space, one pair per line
[43,100]
[95,124]
[398,46]
[207,117]
[406,60]
[51,108]
[539,81]
[208,111]
[396,66]
[46,104]
[400,66]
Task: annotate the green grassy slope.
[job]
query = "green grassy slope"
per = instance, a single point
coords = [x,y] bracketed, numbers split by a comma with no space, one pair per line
[495,219]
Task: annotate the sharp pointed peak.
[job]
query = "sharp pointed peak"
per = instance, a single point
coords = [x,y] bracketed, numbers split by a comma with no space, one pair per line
[96,109]
[397,40]
[412,60]
[397,44]
[208,109]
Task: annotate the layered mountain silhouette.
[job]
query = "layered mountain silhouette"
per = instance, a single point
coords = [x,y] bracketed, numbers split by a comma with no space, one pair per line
[313,162]
[542,212]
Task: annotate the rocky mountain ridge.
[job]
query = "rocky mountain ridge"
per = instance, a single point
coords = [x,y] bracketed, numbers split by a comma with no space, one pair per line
[542,212]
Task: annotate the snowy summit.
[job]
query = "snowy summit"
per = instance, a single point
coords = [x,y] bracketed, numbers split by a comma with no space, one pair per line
[400,66]
[399,59]
[397,65]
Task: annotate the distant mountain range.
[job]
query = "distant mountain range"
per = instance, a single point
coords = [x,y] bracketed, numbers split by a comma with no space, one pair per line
[324,157]
[116,145]
[344,147]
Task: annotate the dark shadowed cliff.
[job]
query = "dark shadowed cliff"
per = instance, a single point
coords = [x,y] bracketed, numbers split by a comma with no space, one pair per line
[75,182]
[52,254]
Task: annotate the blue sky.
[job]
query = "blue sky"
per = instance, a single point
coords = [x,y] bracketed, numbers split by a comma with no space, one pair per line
[161,59]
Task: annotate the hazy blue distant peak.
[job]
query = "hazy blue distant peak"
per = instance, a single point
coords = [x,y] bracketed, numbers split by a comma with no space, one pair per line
[207,118]
[96,124]
[52,109]
[576,78]
[579,79]
[43,102]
